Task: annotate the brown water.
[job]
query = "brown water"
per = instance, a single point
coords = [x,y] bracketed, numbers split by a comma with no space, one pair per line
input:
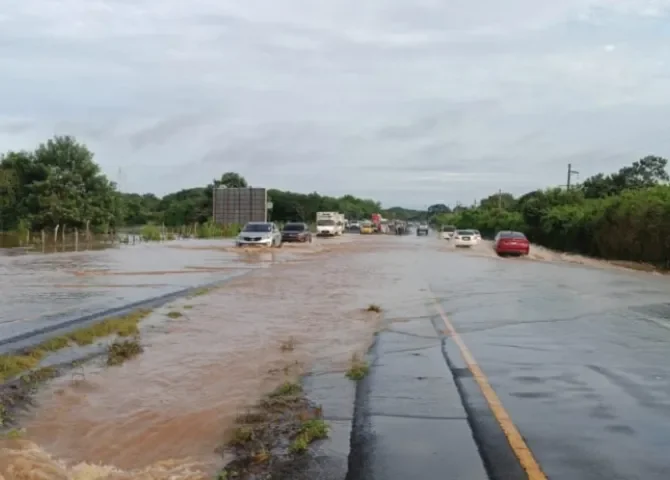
[161,415]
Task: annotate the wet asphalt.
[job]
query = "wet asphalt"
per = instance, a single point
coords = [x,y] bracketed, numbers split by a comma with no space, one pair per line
[579,357]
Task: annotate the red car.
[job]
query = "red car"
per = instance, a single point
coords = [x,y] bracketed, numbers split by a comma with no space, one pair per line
[511,243]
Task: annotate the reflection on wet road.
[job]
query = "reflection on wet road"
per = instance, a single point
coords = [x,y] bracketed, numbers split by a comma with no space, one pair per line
[577,355]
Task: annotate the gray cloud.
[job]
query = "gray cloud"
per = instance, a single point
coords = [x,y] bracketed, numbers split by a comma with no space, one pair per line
[412,102]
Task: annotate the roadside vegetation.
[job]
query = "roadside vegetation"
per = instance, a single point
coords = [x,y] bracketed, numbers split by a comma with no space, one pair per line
[57,190]
[273,437]
[126,326]
[121,350]
[621,216]
[358,368]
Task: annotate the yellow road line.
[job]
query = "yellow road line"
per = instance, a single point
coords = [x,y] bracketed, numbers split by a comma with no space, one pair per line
[514,438]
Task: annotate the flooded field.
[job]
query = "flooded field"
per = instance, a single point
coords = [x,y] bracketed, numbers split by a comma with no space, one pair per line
[163,414]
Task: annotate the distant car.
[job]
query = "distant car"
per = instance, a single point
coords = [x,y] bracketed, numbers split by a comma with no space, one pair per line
[262,234]
[296,232]
[366,228]
[511,243]
[447,232]
[422,229]
[465,238]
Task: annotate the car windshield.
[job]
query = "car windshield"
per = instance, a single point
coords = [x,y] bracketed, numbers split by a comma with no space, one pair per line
[325,223]
[465,232]
[294,227]
[257,227]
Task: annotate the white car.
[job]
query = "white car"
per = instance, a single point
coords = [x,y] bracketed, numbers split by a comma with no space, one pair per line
[262,234]
[465,238]
[478,235]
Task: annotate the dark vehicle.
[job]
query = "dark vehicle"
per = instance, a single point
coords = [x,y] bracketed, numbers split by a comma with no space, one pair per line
[511,243]
[422,229]
[296,232]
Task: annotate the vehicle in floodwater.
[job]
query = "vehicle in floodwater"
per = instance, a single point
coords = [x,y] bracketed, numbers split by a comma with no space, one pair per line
[422,229]
[262,234]
[447,232]
[465,238]
[296,232]
[511,243]
[367,227]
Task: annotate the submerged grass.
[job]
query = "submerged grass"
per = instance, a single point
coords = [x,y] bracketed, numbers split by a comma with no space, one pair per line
[12,365]
[358,368]
[271,438]
[373,308]
[288,345]
[174,314]
[122,350]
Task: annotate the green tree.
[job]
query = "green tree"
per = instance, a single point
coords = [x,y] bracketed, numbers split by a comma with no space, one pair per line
[233,180]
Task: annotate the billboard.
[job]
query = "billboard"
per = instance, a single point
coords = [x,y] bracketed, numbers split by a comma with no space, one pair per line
[240,205]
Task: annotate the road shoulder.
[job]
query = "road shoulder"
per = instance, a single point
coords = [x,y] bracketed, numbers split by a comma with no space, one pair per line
[409,419]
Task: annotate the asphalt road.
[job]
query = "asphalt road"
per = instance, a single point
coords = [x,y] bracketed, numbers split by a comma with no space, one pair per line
[578,356]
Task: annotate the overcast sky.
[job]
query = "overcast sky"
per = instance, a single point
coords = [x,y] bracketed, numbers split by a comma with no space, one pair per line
[411,102]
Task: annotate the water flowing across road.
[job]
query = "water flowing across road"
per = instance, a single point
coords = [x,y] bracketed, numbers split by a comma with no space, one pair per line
[576,354]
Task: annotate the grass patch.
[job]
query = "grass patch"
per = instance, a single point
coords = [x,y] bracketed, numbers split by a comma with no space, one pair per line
[286,389]
[174,314]
[310,431]
[199,292]
[374,308]
[271,438]
[188,307]
[358,368]
[288,345]
[122,350]
[12,365]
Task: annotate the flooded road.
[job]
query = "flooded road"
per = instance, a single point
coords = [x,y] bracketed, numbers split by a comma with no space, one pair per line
[42,290]
[179,399]
[577,355]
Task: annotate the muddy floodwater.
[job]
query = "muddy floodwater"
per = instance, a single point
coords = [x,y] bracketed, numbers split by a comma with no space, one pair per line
[297,309]
[42,290]
[163,414]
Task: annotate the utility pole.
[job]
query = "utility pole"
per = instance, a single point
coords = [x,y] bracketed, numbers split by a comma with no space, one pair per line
[500,198]
[571,172]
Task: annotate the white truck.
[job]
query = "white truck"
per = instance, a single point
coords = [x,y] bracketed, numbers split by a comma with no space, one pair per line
[329,224]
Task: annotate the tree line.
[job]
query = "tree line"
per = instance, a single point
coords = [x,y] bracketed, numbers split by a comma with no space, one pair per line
[60,185]
[624,215]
